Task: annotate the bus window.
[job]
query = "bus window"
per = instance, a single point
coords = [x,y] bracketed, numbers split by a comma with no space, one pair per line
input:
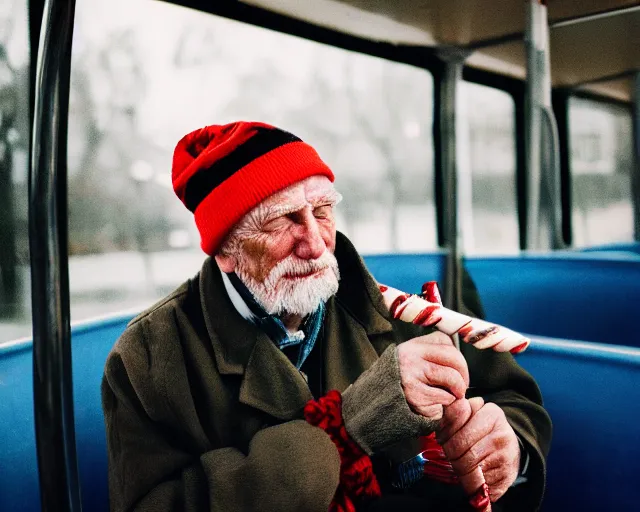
[138,87]
[601,163]
[15,302]
[487,150]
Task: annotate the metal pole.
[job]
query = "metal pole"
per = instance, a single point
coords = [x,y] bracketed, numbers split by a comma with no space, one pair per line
[532,126]
[635,169]
[52,384]
[596,16]
[544,230]
[452,75]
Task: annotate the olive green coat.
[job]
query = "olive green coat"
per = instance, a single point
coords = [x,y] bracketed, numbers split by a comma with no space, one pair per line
[203,412]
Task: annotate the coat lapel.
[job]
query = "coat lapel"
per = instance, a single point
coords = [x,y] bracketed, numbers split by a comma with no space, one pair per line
[270,382]
[348,351]
[354,315]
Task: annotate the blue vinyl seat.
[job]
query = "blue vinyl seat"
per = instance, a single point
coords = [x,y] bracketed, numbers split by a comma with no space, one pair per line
[590,389]
[19,483]
[583,296]
[590,297]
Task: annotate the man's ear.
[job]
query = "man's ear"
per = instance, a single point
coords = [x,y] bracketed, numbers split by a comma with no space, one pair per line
[226,263]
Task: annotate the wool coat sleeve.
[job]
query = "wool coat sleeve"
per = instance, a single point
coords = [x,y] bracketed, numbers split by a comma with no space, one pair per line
[288,467]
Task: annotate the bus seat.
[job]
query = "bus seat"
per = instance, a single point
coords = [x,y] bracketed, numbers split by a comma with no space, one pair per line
[590,390]
[19,489]
[632,247]
[407,272]
[520,291]
[588,297]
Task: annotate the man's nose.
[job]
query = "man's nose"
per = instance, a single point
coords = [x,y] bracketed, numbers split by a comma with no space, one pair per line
[310,244]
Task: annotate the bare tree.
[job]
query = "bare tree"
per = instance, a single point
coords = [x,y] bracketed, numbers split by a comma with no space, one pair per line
[9,97]
[113,207]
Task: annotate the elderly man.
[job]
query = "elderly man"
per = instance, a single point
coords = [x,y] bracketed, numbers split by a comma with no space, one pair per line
[276,380]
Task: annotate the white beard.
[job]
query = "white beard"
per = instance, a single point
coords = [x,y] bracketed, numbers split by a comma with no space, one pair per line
[296,296]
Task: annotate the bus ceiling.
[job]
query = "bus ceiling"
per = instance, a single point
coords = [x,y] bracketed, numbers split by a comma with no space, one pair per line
[595,44]
[495,30]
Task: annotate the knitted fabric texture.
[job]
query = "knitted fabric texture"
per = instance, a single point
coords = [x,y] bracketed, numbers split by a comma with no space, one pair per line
[220,173]
[357,479]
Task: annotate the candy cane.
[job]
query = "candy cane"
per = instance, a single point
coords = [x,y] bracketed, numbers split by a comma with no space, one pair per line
[426,310]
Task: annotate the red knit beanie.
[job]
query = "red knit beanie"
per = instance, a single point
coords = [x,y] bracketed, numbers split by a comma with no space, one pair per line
[220,173]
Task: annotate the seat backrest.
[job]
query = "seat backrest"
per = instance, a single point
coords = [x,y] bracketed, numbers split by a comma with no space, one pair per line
[591,392]
[632,247]
[549,295]
[19,483]
[573,296]
[407,272]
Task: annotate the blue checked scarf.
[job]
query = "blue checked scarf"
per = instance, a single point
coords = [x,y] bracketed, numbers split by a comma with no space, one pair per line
[305,338]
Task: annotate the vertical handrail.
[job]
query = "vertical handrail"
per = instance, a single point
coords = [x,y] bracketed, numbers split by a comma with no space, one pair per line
[453,61]
[52,383]
[533,46]
[543,188]
[552,178]
[450,182]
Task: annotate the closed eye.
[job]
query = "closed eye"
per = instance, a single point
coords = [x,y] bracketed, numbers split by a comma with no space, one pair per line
[323,211]
[278,222]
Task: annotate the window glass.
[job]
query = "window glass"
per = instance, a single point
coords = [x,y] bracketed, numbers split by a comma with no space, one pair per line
[486,150]
[15,302]
[601,163]
[138,87]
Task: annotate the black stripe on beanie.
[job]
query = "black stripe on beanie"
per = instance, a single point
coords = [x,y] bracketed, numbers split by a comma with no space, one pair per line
[202,183]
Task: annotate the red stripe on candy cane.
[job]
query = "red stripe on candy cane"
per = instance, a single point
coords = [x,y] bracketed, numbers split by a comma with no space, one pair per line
[431,292]
[426,317]
[426,310]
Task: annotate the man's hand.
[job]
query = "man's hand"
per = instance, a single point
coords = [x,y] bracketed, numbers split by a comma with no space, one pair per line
[433,374]
[486,440]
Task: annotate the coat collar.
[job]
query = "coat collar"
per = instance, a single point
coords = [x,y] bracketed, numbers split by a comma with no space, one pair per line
[358,291]
[270,381]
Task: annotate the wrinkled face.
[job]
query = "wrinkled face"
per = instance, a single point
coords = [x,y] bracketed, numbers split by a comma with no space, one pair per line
[283,249]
